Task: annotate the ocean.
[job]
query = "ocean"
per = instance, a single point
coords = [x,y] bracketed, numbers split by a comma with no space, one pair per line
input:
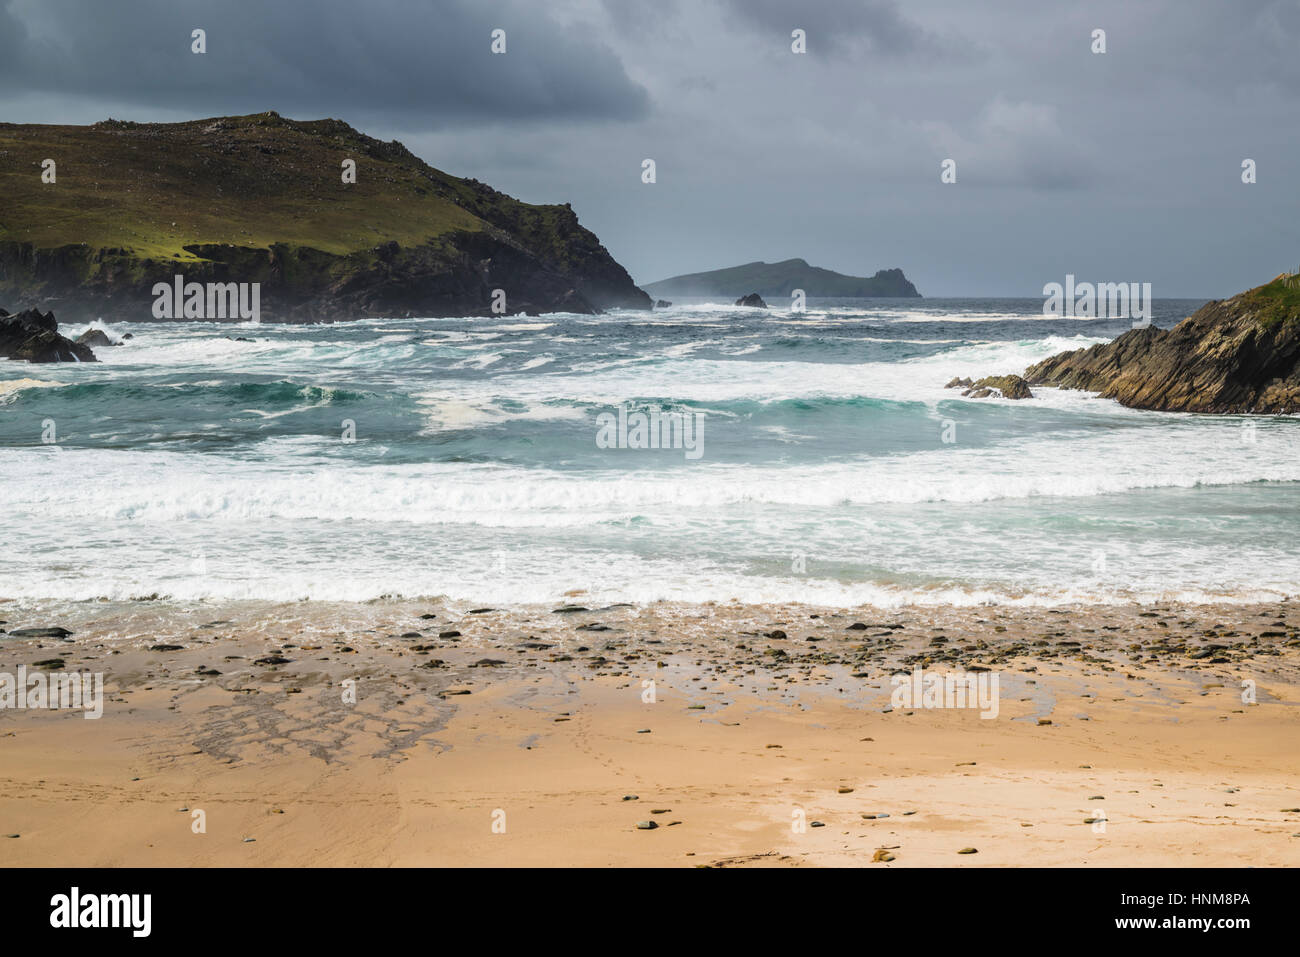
[458,458]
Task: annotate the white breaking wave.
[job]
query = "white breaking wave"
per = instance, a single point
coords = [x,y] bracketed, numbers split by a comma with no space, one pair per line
[1181,452]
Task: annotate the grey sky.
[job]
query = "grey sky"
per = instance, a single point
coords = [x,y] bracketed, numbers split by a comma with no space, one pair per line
[1117,167]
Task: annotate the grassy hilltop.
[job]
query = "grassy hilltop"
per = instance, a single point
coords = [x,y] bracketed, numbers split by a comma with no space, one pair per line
[261,198]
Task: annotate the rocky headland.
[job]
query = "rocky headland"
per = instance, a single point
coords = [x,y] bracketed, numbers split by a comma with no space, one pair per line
[1238,355]
[332,224]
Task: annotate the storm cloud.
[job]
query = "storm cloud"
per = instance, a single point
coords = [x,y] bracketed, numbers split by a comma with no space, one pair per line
[406,65]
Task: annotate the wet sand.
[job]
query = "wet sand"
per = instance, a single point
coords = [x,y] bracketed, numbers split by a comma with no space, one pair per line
[770,739]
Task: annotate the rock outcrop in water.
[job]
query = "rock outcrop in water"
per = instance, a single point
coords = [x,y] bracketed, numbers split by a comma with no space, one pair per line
[264,199]
[1008,386]
[34,337]
[753,301]
[1232,356]
[94,337]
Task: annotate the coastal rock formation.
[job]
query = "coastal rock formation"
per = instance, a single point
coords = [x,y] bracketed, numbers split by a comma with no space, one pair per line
[1008,386]
[95,337]
[1232,356]
[273,201]
[662,303]
[33,336]
[753,300]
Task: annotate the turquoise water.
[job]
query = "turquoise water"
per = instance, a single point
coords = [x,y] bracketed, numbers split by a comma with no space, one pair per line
[458,458]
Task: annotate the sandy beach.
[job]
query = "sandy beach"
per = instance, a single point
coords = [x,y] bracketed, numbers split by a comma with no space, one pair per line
[416,733]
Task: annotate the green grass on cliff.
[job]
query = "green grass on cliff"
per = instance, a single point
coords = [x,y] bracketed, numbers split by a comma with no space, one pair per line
[1276,303]
[154,188]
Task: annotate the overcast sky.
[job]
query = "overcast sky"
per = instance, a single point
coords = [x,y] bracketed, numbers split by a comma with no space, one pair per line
[1122,166]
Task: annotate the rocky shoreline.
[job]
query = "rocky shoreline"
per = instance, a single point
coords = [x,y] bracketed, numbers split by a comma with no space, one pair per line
[1240,355]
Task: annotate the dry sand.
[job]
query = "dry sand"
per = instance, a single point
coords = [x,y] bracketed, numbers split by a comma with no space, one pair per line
[749,735]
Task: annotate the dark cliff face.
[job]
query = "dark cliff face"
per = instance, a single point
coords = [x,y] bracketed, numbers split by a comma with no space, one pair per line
[1234,356]
[260,199]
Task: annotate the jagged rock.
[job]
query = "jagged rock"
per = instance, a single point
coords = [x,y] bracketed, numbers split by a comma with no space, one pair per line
[34,337]
[1010,387]
[662,303]
[1232,356]
[753,301]
[959,383]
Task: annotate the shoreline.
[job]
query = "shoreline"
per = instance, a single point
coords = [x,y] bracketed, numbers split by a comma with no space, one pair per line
[764,718]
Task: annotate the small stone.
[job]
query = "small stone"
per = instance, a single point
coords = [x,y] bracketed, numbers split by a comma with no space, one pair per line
[646,825]
[882,855]
[39,633]
[968,850]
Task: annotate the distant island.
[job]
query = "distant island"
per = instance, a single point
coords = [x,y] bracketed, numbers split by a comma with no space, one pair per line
[265,199]
[779,280]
